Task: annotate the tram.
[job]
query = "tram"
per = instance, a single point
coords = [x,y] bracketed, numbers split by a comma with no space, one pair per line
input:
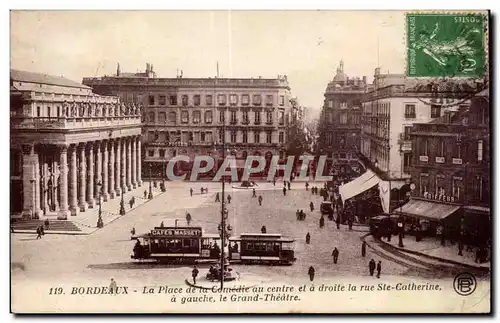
[177,244]
[263,248]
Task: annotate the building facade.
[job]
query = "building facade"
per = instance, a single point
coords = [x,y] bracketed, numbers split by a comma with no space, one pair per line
[186,116]
[340,120]
[69,147]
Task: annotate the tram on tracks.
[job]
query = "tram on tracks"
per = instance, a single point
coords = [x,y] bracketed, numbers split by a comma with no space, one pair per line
[261,248]
[177,244]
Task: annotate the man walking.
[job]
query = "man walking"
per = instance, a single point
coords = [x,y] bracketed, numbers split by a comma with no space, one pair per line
[228,199]
[39,233]
[311,273]
[188,218]
[363,249]
[311,206]
[145,194]
[217,197]
[308,238]
[307,186]
[284,191]
[371,266]
[253,193]
[194,273]
[260,199]
[112,287]
[379,268]
[335,255]
[321,222]
[338,221]
[191,191]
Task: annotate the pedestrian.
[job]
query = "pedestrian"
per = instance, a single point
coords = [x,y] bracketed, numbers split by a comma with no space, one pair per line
[260,199]
[274,181]
[371,266]
[321,222]
[194,273]
[311,206]
[132,231]
[379,268]
[145,194]
[254,194]
[217,197]
[349,222]
[263,229]
[298,214]
[311,273]
[191,191]
[162,225]
[308,238]
[131,203]
[302,215]
[201,190]
[42,231]
[289,185]
[335,254]
[47,223]
[188,218]
[228,199]
[338,221]
[39,233]
[363,249]
[284,191]
[112,287]
[307,186]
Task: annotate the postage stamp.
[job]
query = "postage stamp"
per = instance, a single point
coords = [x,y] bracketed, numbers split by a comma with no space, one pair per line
[446,44]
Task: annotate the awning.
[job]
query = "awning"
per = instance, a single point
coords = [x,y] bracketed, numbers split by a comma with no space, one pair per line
[427,209]
[364,182]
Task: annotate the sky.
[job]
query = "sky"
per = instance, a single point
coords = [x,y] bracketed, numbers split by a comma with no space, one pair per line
[304,45]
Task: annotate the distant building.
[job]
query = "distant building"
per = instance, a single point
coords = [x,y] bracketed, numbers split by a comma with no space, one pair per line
[68,145]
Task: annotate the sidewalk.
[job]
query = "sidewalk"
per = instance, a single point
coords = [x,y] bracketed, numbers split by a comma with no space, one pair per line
[431,248]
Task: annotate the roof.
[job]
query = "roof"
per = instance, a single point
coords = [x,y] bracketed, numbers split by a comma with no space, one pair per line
[39,78]
[427,209]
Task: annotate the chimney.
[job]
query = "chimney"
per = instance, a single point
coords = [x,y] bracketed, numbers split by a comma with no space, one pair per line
[118,69]
[147,68]
[364,80]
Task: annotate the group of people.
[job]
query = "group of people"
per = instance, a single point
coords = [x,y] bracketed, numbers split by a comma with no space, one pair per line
[203,190]
[301,216]
[217,198]
[40,230]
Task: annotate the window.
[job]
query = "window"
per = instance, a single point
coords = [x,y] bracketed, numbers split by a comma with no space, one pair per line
[48,112]
[406,161]
[220,135]
[456,188]
[209,100]
[208,116]
[435,111]
[410,111]
[268,137]
[38,111]
[167,136]
[151,135]
[184,117]
[343,118]
[185,100]
[245,136]
[151,153]
[162,153]
[196,100]
[442,149]
[196,116]
[162,117]
[343,105]
[256,137]
[151,100]
[172,117]
[162,100]
[457,151]
[233,99]
[58,111]
[330,117]
[330,103]
[269,99]
[257,117]
[257,99]
[202,137]
[221,99]
[151,117]
[233,136]
[269,117]
[282,100]
[245,117]
[281,137]
[221,116]
[282,117]
[407,133]
[233,117]
[172,99]
[479,150]
[245,99]
[424,184]
[477,187]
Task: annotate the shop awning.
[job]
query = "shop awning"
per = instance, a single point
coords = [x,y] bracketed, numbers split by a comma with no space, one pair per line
[427,209]
[364,182]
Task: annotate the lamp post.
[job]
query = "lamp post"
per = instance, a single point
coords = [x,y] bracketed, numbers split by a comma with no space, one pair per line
[150,194]
[100,224]
[122,202]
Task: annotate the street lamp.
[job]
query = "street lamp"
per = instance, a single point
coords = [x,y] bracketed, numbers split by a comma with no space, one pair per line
[150,195]
[100,224]
[122,202]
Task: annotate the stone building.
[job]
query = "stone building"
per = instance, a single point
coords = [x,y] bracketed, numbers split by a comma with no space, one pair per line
[69,146]
[185,116]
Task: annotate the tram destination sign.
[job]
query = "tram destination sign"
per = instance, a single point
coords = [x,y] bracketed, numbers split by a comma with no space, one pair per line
[176,232]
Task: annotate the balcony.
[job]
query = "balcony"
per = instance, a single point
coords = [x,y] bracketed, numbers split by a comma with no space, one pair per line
[457,161]
[234,121]
[245,122]
[269,122]
[64,123]
[439,160]
[424,159]
[257,122]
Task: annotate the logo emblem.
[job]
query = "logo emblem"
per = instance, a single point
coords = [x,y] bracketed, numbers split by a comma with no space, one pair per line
[465,284]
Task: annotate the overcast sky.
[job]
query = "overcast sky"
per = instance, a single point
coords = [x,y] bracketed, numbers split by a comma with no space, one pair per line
[304,45]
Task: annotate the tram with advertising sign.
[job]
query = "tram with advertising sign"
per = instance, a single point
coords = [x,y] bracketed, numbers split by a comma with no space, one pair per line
[177,244]
[261,248]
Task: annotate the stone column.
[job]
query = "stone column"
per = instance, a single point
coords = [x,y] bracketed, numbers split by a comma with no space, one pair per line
[63,183]
[55,180]
[129,164]
[139,162]
[31,206]
[105,166]
[45,185]
[98,170]
[73,170]
[118,174]
[134,161]
[123,176]
[111,169]
[82,203]
[90,175]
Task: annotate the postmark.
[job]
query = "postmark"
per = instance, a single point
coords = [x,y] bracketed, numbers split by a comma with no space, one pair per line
[446,44]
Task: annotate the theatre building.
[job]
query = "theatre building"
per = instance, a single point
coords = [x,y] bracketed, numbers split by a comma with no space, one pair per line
[69,148]
[186,116]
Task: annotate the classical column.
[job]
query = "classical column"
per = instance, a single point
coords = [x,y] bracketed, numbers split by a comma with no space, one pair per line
[111,169]
[129,164]
[105,166]
[31,179]
[118,174]
[124,165]
[63,183]
[82,203]
[134,162]
[55,180]
[45,184]
[73,171]
[139,162]
[98,170]
[90,174]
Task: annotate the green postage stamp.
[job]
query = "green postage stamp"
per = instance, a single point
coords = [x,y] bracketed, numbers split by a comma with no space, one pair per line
[446,44]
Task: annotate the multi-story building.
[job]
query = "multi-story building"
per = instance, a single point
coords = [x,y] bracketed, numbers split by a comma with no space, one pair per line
[451,165]
[69,146]
[185,116]
[340,120]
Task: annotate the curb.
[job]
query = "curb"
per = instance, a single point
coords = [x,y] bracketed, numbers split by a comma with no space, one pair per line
[72,233]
